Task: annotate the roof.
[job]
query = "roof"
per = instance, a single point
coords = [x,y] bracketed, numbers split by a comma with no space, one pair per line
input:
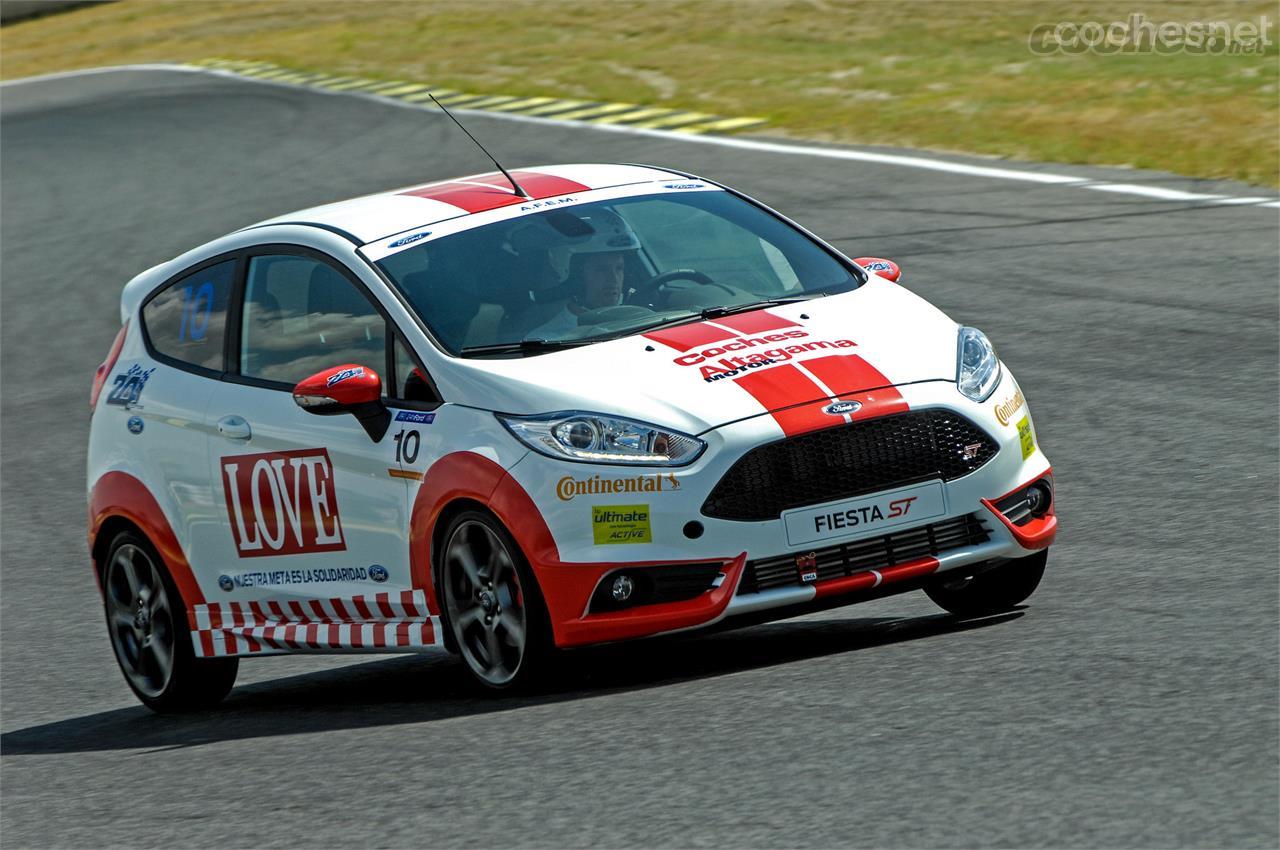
[374,217]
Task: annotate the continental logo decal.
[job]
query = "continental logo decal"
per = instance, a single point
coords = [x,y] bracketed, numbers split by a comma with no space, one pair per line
[1010,406]
[282,503]
[730,363]
[568,487]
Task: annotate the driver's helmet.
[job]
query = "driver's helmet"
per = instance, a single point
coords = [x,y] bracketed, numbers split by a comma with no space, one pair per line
[611,235]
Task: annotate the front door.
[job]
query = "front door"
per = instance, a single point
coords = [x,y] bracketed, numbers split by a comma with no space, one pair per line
[311,550]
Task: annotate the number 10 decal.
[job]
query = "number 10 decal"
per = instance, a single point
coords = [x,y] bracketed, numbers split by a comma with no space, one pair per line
[407,445]
[195,311]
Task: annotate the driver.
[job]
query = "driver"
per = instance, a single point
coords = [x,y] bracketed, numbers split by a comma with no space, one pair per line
[597,273]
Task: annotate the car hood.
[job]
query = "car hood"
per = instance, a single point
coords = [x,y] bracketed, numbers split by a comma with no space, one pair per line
[698,376]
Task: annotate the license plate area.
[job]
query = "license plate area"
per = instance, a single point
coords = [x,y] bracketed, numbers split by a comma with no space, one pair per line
[850,518]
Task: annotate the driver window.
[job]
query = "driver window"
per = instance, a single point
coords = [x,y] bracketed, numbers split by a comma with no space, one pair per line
[302,316]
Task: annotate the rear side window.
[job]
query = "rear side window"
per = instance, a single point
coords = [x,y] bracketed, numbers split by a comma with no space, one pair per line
[187,320]
[302,316]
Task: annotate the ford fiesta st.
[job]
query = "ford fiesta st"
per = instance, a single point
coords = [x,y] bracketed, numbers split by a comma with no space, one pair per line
[610,402]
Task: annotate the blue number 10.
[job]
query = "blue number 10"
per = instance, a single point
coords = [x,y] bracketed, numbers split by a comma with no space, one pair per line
[195,311]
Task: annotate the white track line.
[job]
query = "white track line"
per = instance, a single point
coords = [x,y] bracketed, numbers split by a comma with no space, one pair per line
[902,160]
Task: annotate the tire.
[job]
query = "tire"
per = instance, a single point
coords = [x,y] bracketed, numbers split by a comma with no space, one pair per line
[997,589]
[490,604]
[147,625]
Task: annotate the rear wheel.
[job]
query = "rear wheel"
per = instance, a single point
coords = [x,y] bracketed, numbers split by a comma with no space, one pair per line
[492,606]
[992,591]
[147,622]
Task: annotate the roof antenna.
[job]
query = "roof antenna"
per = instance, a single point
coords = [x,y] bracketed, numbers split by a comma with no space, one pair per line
[514,185]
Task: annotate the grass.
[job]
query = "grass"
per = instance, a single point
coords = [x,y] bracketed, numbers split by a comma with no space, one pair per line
[954,76]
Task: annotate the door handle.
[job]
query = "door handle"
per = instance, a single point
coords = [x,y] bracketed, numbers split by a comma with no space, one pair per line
[234,428]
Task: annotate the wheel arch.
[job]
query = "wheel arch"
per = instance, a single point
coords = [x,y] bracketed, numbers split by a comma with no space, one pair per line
[119,501]
[468,480]
[108,529]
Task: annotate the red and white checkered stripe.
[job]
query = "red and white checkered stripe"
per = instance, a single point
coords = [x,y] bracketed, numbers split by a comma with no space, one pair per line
[382,622]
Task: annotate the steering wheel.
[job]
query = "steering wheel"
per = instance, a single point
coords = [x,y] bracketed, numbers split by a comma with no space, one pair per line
[647,292]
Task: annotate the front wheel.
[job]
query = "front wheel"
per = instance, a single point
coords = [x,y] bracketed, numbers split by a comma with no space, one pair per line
[147,621]
[492,606]
[997,589]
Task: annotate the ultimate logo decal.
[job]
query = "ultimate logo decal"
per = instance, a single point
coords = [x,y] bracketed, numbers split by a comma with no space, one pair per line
[620,524]
[282,503]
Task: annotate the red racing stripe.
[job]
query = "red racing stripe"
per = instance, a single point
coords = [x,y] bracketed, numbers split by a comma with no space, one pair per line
[846,373]
[536,183]
[850,377]
[684,337]
[473,198]
[755,322]
[785,385]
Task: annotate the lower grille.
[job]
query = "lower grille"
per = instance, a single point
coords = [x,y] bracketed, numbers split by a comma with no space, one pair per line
[861,555]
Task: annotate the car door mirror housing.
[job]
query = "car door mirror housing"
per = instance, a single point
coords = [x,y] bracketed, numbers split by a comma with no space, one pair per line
[887,269]
[350,388]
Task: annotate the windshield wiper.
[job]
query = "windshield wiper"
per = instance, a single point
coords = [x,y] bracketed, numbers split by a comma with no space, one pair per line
[718,312]
[524,346]
[730,309]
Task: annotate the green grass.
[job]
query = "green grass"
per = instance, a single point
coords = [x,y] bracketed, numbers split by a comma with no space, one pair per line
[952,76]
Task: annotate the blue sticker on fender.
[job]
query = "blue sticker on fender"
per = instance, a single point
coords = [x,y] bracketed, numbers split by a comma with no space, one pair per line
[414,416]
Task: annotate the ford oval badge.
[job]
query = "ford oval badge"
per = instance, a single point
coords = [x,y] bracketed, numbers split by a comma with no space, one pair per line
[841,408]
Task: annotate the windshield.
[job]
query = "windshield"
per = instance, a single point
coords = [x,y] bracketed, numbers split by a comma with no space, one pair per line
[586,272]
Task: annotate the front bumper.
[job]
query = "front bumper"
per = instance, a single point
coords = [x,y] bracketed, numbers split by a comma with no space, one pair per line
[606,520]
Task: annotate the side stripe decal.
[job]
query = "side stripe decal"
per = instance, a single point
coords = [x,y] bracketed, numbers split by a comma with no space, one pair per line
[403,622]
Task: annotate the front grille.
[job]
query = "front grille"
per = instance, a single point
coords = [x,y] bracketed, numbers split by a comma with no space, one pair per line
[849,460]
[861,555]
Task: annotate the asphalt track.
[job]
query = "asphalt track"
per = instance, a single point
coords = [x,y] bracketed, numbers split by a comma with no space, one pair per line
[1133,702]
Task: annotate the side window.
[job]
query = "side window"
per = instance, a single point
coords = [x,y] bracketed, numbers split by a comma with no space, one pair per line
[302,316]
[411,383]
[188,319]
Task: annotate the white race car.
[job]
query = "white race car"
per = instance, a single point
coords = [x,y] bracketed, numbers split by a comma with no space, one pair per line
[611,402]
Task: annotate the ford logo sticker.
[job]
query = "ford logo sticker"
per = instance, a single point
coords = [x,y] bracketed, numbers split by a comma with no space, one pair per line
[841,408]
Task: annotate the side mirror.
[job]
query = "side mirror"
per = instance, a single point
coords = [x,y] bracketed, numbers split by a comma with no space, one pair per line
[886,269]
[350,389]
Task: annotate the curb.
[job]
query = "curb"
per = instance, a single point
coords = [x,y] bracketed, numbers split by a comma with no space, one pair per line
[561,109]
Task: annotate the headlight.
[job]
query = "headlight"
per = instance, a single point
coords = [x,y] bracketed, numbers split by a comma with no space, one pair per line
[594,438]
[977,366]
